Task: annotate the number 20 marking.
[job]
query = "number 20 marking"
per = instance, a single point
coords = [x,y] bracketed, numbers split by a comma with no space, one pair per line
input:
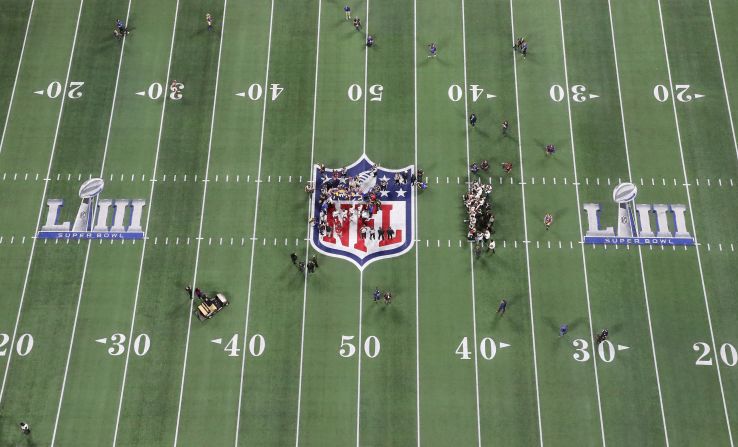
[728,354]
[661,93]
[22,347]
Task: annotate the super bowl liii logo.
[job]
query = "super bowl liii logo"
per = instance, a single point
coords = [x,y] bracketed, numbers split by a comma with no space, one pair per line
[634,222]
[91,221]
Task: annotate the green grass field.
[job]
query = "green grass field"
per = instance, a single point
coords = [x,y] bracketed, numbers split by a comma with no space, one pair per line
[98,342]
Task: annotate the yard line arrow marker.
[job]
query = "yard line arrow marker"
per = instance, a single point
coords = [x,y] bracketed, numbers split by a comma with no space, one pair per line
[140,93]
[40,92]
[504,345]
[490,95]
[698,96]
[242,94]
[217,341]
[102,340]
[622,348]
[593,96]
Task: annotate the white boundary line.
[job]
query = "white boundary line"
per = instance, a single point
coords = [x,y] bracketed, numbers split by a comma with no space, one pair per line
[253,232]
[471,246]
[525,228]
[361,271]
[417,237]
[691,215]
[89,242]
[206,180]
[309,225]
[640,252]
[579,217]
[722,76]
[42,205]
[17,73]
[148,217]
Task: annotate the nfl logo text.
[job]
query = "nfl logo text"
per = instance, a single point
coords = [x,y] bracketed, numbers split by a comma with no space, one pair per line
[634,222]
[92,220]
[354,207]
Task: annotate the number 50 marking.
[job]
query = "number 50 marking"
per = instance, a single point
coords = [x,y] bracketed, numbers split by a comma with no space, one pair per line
[375,92]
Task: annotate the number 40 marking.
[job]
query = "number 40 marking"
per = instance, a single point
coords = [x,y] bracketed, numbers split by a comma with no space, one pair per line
[256,91]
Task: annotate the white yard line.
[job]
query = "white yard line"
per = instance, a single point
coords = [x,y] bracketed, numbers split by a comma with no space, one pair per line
[146,229]
[253,232]
[202,220]
[640,251]
[579,216]
[358,355]
[416,235]
[361,274]
[17,73]
[89,242]
[42,205]
[525,229]
[309,226]
[722,76]
[694,228]
[471,246]
[366,74]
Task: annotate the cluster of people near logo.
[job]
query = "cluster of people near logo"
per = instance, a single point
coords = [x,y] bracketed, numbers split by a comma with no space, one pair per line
[366,190]
[480,219]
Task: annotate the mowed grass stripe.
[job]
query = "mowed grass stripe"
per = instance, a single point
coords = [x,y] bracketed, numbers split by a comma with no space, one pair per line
[507,382]
[111,277]
[597,124]
[67,263]
[16,18]
[449,393]
[229,210]
[168,268]
[720,161]
[388,382]
[558,280]
[676,300]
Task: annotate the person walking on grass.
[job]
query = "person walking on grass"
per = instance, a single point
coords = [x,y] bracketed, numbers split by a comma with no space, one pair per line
[24,428]
[502,307]
[563,330]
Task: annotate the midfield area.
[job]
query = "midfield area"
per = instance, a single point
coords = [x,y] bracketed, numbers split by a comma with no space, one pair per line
[444,223]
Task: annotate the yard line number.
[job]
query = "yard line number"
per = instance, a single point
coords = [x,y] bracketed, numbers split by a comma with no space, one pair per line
[728,354]
[257,345]
[661,93]
[579,93]
[55,89]
[487,349]
[141,344]
[605,350]
[375,92]
[348,349]
[22,347]
[455,93]
[256,91]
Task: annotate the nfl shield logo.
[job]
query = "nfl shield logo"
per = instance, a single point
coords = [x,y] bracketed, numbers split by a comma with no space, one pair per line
[363,213]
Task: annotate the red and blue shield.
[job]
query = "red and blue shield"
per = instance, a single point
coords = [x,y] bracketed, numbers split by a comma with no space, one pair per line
[363,212]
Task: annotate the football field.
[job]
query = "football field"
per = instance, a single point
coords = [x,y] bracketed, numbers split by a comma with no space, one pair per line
[101,345]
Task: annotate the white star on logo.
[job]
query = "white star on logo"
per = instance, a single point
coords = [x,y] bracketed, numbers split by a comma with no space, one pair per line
[400,193]
[384,178]
[383,193]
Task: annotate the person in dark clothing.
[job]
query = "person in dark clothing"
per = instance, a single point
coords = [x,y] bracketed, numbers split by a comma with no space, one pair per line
[293,256]
[315,261]
[311,267]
